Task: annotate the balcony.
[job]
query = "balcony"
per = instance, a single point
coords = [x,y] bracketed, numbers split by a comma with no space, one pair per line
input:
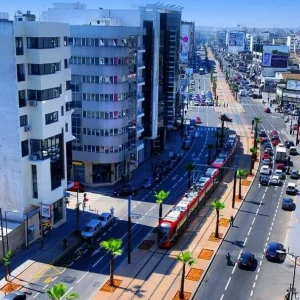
[141,65]
[140,113]
[140,145]
[140,129]
[141,48]
[141,80]
[140,97]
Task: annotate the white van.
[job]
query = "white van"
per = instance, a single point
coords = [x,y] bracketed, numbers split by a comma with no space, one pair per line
[242,93]
[91,229]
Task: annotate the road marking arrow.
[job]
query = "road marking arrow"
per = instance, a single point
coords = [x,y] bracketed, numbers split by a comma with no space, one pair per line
[174,177]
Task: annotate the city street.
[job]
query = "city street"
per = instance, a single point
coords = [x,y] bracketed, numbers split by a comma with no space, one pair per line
[259,222]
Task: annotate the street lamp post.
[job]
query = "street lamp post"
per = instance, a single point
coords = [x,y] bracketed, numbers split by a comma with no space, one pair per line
[3,246]
[293,284]
[6,230]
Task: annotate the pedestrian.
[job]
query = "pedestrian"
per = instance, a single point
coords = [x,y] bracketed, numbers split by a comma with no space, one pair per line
[228,258]
[224,104]
[227,104]
[231,221]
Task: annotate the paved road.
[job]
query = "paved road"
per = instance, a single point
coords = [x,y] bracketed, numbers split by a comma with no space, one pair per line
[259,222]
[83,270]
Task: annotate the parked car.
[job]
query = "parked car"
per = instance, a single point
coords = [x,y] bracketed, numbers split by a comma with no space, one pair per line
[16,295]
[293,150]
[265,170]
[269,150]
[267,162]
[106,219]
[125,191]
[288,204]
[262,133]
[265,155]
[274,132]
[275,251]
[148,182]
[158,175]
[264,180]
[198,120]
[291,189]
[267,110]
[294,174]
[246,260]
[289,144]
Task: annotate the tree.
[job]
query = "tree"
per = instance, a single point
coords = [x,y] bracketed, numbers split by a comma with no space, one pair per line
[160,197]
[241,173]
[58,291]
[6,261]
[253,150]
[217,205]
[217,136]
[257,121]
[185,258]
[209,147]
[113,246]
[189,168]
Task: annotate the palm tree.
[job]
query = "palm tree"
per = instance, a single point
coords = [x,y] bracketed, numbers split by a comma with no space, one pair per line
[257,121]
[113,246]
[217,205]
[241,173]
[189,168]
[209,147]
[185,258]
[58,291]
[217,136]
[160,197]
[253,150]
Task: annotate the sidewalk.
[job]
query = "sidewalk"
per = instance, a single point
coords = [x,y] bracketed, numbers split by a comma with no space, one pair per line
[27,261]
[155,273]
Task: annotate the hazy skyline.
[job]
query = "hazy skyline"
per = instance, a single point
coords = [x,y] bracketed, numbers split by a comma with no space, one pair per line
[218,13]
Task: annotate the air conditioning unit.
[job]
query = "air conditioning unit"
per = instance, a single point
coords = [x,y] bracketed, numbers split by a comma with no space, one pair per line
[27,128]
[32,157]
[32,103]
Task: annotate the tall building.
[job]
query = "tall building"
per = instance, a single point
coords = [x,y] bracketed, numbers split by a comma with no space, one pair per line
[235,41]
[35,129]
[148,38]
[107,82]
[187,42]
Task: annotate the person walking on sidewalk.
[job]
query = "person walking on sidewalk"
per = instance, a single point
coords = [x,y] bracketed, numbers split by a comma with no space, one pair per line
[231,221]
[228,258]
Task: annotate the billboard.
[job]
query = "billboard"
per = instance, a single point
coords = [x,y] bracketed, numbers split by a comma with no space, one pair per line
[185,43]
[293,85]
[275,56]
[236,39]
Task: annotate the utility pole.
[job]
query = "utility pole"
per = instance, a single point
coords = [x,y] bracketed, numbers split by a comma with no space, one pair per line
[129,231]
[234,189]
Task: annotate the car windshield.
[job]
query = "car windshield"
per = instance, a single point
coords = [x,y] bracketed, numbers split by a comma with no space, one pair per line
[88,229]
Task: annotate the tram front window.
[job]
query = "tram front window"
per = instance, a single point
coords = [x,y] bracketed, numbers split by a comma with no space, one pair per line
[164,233]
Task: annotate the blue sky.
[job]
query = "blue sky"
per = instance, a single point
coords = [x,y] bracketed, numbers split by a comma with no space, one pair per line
[223,13]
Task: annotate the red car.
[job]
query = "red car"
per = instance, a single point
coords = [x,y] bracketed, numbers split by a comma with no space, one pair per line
[267,110]
[265,155]
[275,142]
[263,139]
[198,120]
[280,166]
[274,132]
[77,186]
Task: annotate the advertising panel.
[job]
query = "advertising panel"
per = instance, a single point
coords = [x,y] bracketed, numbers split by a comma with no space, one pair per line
[185,43]
[275,56]
[46,211]
[236,39]
[293,85]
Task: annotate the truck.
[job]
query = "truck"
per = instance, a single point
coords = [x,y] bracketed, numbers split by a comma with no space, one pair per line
[281,154]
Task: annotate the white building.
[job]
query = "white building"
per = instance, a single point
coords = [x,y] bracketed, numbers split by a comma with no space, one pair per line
[292,42]
[35,121]
[187,41]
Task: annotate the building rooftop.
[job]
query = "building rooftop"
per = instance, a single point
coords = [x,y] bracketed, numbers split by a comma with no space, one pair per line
[286,76]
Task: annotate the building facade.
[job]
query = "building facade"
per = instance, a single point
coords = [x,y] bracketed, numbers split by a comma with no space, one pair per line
[36,122]
[187,42]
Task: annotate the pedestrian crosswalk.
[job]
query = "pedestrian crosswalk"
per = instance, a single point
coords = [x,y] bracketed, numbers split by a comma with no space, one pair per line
[279,131]
[206,128]
[91,198]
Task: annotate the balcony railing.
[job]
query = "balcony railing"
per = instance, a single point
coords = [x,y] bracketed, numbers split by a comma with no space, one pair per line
[141,79]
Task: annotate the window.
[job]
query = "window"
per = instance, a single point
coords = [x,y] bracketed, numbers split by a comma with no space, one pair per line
[44,94]
[68,85]
[42,42]
[66,41]
[43,69]
[34,182]
[66,63]
[61,110]
[23,121]
[19,46]
[66,127]
[22,98]
[25,148]
[20,72]
[51,117]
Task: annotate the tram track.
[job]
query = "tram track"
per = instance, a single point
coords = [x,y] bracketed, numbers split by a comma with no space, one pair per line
[167,253]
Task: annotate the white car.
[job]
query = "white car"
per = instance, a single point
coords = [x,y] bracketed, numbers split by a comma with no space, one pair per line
[265,170]
[278,173]
[274,180]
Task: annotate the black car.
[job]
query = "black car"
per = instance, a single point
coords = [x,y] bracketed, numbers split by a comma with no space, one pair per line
[289,144]
[267,145]
[267,162]
[288,204]
[158,175]
[17,295]
[225,118]
[187,144]
[275,251]
[125,191]
[264,180]
[262,133]
[246,260]
[269,150]
[294,174]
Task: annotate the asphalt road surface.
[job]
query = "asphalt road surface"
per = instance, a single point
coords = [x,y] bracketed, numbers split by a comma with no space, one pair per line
[259,222]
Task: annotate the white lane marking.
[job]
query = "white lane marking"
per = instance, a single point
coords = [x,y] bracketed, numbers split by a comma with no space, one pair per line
[257,211]
[68,291]
[35,295]
[249,230]
[263,196]
[82,277]
[71,264]
[253,221]
[258,270]
[256,276]
[227,283]
[45,286]
[245,241]
[251,293]
[254,284]
[222,297]
[233,269]
[152,207]
[174,185]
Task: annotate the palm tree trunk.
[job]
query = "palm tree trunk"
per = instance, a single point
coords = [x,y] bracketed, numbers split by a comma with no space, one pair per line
[217,224]
[160,213]
[240,188]
[181,294]
[112,266]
